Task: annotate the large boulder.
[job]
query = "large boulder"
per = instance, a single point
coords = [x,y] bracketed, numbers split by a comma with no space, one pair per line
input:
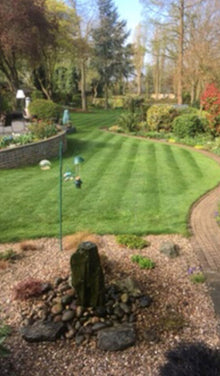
[87,276]
[116,338]
[42,331]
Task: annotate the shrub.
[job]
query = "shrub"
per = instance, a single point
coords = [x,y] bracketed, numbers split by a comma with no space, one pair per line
[188,125]
[45,110]
[115,128]
[42,129]
[28,288]
[132,241]
[160,116]
[117,101]
[210,101]
[143,262]
[198,278]
[129,121]
[9,254]
[4,332]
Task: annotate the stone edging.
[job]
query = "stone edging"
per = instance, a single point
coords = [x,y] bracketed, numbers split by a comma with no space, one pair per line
[30,154]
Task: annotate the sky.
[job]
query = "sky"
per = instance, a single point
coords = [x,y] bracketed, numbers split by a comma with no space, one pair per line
[129,10]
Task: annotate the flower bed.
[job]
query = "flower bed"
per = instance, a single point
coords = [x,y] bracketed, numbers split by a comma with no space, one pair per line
[32,153]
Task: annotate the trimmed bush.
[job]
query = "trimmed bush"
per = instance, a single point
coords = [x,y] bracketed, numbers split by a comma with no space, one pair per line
[160,116]
[129,121]
[45,110]
[42,129]
[188,125]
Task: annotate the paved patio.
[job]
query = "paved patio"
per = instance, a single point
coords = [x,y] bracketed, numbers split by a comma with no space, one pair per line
[17,126]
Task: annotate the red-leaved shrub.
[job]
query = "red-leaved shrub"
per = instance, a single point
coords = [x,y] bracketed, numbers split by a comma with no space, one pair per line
[28,288]
[210,100]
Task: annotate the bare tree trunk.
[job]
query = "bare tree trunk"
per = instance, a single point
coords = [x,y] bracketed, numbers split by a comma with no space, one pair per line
[180,56]
[83,85]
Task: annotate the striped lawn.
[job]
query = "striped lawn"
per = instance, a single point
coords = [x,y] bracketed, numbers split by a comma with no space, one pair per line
[129,186]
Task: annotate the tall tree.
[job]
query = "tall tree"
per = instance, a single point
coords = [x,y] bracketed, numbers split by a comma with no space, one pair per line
[171,14]
[139,50]
[24,29]
[55,57]
[109,45]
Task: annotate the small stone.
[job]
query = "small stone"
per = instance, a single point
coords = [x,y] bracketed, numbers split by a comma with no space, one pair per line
[131,318]
[98,326]
[67,315]
[71,292]
[124,298]
[118,312]
[79,311]
[145,301]
[70,334]
[58,281]
[169,248]
[100,311]
[56,309]
[79,339]
[125,307]
[94,320]
[57,318]
[77,325]
[66,299]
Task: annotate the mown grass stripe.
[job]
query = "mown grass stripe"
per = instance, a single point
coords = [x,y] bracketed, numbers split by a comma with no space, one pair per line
[177,181]
[111,200]
[189,157]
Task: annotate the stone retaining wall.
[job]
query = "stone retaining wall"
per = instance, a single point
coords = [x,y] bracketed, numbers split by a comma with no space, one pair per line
[32,153]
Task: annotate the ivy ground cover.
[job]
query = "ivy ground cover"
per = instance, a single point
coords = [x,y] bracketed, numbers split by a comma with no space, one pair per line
[129,186]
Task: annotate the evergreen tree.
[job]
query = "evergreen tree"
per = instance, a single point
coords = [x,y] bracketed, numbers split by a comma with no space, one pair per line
[109,44]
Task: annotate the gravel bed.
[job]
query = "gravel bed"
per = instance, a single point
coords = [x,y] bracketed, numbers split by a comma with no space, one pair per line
[173,293]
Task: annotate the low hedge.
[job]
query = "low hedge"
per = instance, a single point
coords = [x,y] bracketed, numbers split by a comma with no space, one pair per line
[45,110]
[188,125]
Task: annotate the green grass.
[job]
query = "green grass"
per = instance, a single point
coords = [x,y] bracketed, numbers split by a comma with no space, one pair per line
[130,186]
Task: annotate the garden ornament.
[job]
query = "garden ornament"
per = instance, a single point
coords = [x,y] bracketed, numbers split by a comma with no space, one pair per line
[78,182]
[66,117]
[45,164]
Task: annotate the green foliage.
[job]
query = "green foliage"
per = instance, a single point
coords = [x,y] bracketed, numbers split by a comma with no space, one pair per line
[28,288]
[198,278]
[160,117]
[117,101]
[45,110]
[36,94]
[42,129]
[115,128]
[98,102]
[188,125]
[8,255]
[132,241]
[143,262]
[129,121]
[4,332]
[133,103]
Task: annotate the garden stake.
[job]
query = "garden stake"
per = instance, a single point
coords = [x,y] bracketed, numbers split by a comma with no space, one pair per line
[60,194]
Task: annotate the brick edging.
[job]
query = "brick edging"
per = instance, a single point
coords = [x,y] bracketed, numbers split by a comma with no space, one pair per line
[29,154]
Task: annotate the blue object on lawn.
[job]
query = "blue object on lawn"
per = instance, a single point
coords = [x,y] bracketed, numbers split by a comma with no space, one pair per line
[66,117]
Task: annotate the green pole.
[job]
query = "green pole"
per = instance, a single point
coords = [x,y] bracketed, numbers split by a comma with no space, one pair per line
[60,194]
